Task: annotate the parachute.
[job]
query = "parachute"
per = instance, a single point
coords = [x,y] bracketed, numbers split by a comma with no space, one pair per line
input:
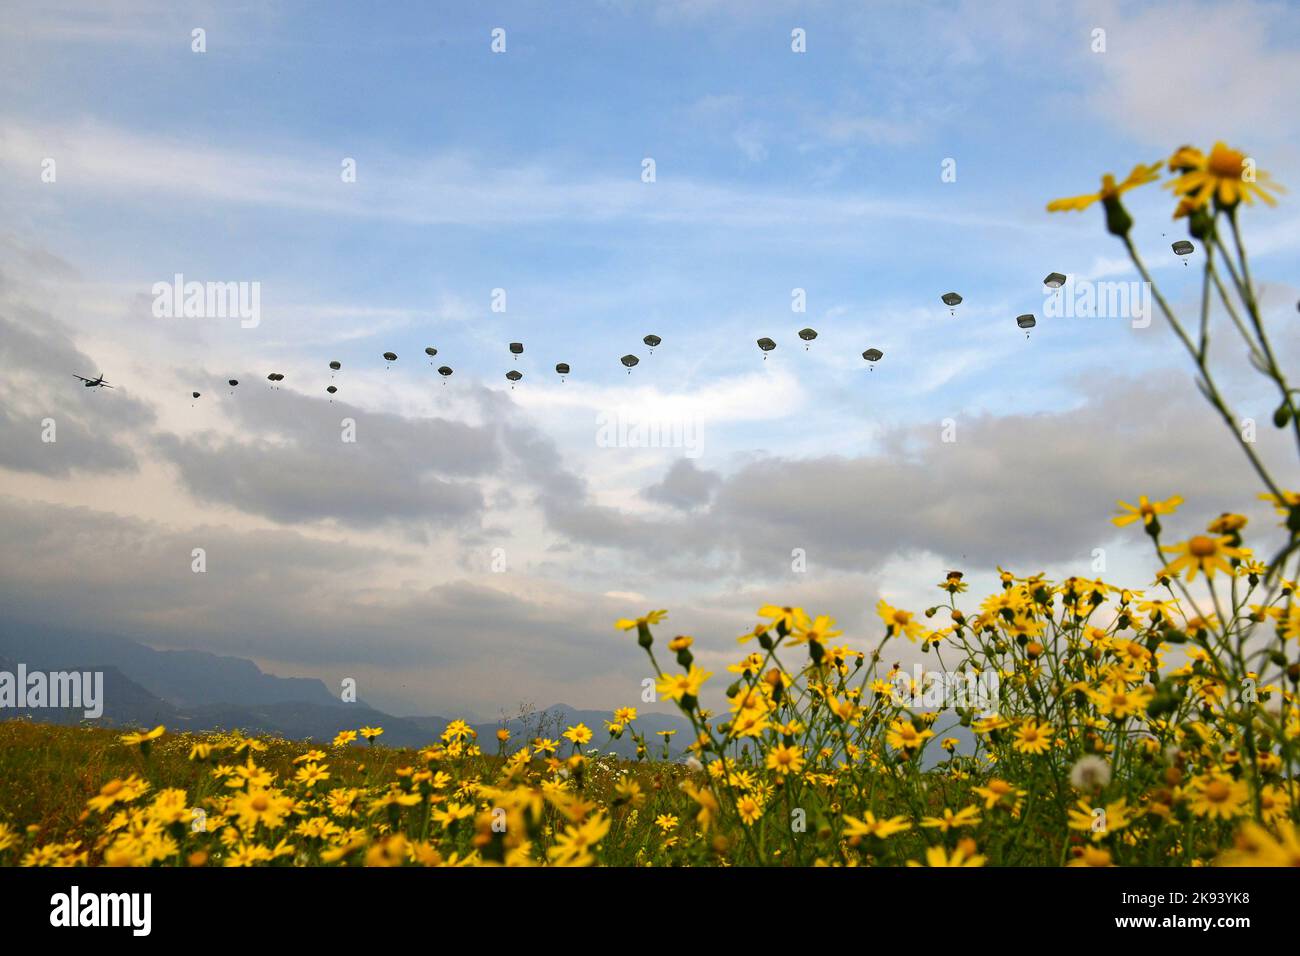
[1183,248]
[652,341]
[514,375]
[430,351]
[195,394]
[766,345]
[335,366]
[390,356]
[232,383]
[562,368]
[630,361]
[807,335]
[873,355]
[274,377]
[1026,322]
[445,372]
[516,348]
[1054,280]
[331,389]
[951,300]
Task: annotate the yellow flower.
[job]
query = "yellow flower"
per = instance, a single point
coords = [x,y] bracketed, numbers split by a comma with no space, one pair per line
[1092,856]
[999,791]
[1146,510]
[170,806]
[677,686]
[370,733]
[793,618]
[268,807]
[629,624]
[938,856]
[1033,737]
[1203,553]
[1113,817]
[903,736]
[1221,176]
[118,791]
[1218,796]
[1227,523]
[1284,503]
[749,808]
[143,737]
[870,826]
[1118,700]
[819,631]
[1140,176]
[311,775]
[965,817]
[344,737]
[898,621]
[579,734]
[573,846]
[1256,846]
[785,760]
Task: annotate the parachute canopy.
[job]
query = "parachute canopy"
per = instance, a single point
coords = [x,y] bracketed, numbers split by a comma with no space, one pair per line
[1054,280]
[1026,321]
[562,368]
[444,370]
[951,298]
[233,382]
[516,348]
[1183,248]
[652,340]
[391,356]
[807,334]
[873,355]
[430,351]
[514,375]
[629,360]
[336,365]
[331,389]
[275,377]
[195,394]
[766,344]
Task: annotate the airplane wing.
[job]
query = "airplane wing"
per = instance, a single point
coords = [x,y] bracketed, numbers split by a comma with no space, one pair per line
[82,377]
[104,385]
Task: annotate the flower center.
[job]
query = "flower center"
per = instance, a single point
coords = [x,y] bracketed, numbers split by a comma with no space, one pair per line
[1226,163]
[1217,791]
[1201,546]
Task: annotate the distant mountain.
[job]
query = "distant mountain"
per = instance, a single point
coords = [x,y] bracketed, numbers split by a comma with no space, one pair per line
[194,690]
[185,678]
[125,703]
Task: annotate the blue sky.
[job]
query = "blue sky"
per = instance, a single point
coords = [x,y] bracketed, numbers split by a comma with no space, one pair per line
[522,171]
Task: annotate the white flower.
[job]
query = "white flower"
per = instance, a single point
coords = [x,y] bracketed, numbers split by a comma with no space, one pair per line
[694,763]
[1090,773]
